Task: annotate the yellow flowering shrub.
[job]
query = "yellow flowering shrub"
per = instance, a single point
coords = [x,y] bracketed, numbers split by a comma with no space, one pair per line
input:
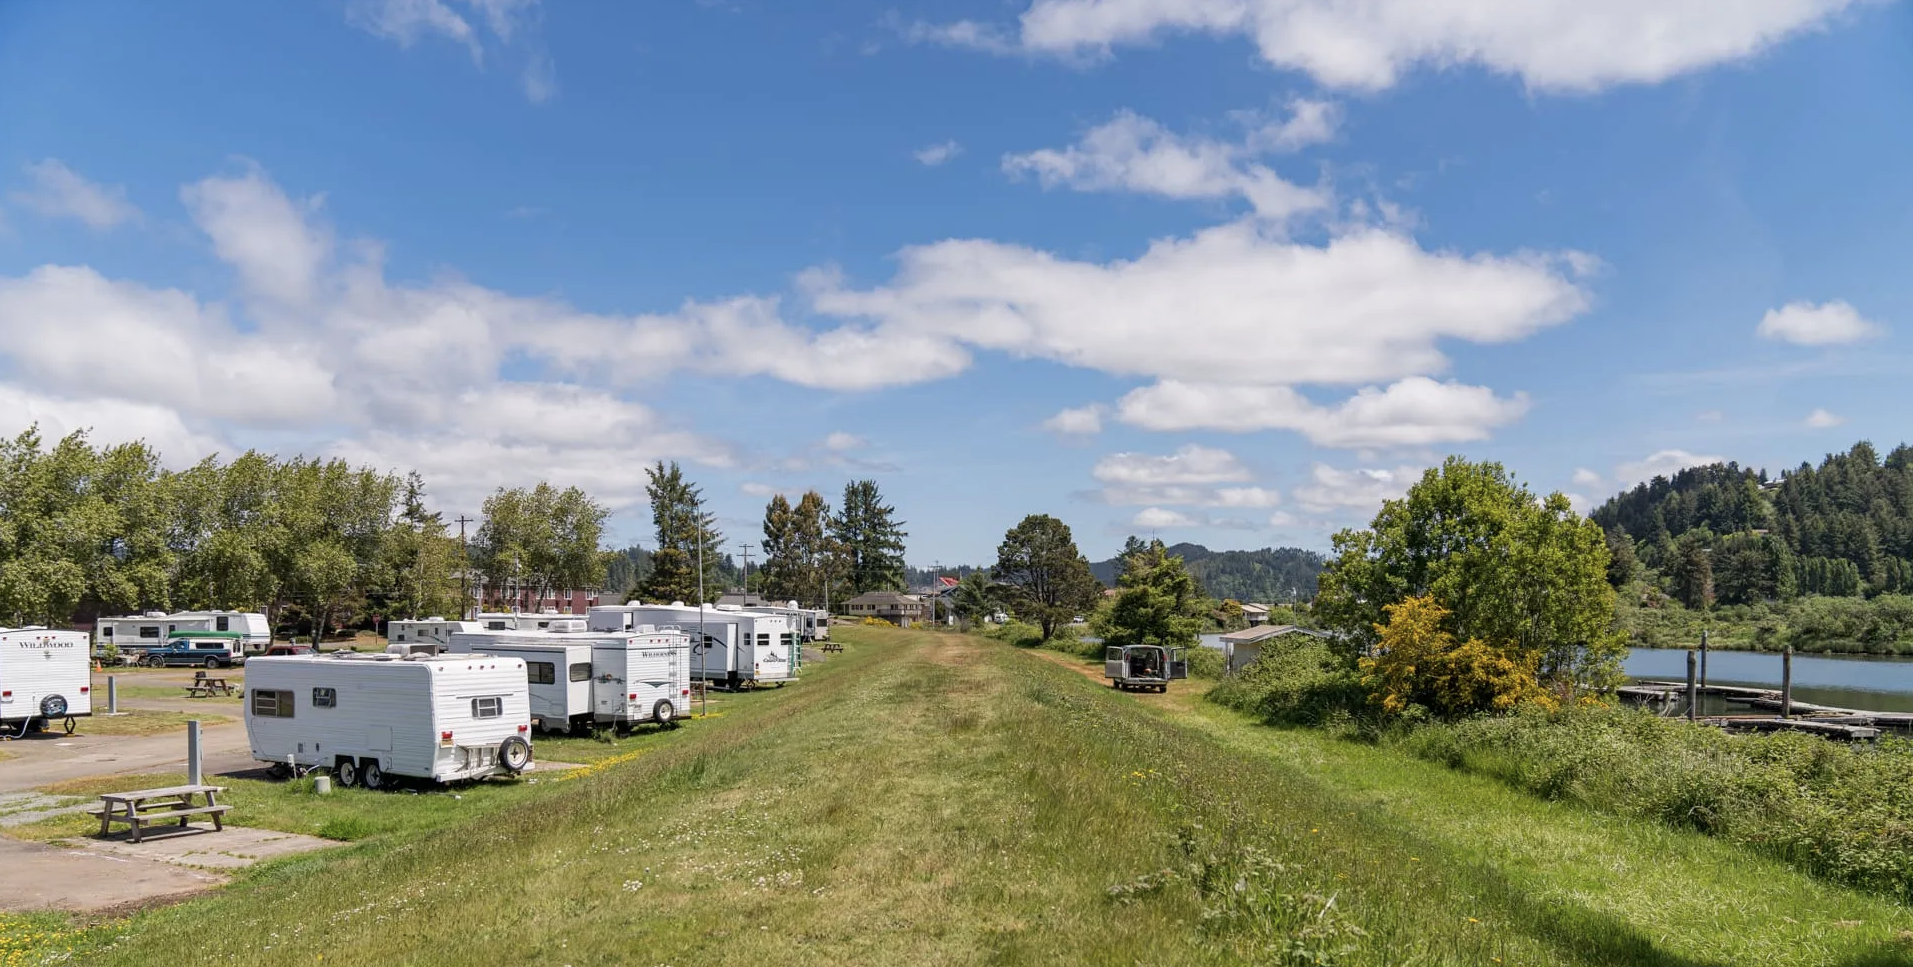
[1419,663]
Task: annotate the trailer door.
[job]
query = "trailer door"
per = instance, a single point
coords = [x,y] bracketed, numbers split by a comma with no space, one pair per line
[1113,663]
[1178,665]
[608,687]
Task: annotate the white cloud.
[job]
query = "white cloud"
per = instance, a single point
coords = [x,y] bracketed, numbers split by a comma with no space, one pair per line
[1185,495]
[1822,419]
[1230,304]
[1077,421]
[267,236]
[1157,518]
[1191,464]
[1360,490]
[1579,503]
[1562,45]
[936,154]
[1416,411]
[1806,324]
[513,26]
[755,489]
[1134,153]
[109,421]
[1710,416]
[840,441]
[1309,122]
[1583,477]
[1283,518]
[963,34]
[59,192]
[1661,463]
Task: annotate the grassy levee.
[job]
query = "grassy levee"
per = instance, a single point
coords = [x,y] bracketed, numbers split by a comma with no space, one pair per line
[934,799]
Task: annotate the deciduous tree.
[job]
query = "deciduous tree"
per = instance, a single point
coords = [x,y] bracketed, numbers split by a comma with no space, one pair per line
[1047,578]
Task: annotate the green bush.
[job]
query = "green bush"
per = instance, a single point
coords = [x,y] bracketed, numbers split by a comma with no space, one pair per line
[1022,634]
[1842,812]
[1206,663]
[1302,682]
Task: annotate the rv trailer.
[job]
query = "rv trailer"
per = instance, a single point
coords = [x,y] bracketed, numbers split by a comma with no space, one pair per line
[581,679]
[133,634]
[374,718]
[425,635]
[45,676]
[740,648]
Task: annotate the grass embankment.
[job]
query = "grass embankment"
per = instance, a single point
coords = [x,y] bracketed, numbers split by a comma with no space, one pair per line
[943,800]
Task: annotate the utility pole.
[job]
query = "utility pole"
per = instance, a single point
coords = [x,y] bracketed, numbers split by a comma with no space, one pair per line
[697,511]
[464,572]
[746,548]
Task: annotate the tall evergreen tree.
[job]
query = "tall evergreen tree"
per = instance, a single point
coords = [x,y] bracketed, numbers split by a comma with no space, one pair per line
[1158,603]
[869,540]
[782,572]
[681,528]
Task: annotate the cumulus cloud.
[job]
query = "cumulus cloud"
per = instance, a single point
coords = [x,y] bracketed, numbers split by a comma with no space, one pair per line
[1183,495]
[1134,153]
[1412,412]
[1191,464]
[1583,477]
[1158,518]
[1821,419]
[57,191]
[936,154]
[840,441]
[1662,463]
[1077,421]
[511,31]
[1806,324]
[264,234]
[1555,45]
[1330,490]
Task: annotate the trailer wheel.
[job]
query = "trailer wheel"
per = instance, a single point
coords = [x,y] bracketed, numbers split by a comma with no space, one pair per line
[53,706]
[371,774]
[664,712]
[346,772]
[514,754]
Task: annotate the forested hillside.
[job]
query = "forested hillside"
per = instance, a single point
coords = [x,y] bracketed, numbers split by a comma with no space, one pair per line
[1755,547]
[1270,575]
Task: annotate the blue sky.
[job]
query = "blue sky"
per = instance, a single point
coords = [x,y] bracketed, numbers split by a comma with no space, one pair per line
[1229,271]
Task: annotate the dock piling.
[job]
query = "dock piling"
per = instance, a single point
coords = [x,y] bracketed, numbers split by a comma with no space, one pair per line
[1693,689]
[1786,681]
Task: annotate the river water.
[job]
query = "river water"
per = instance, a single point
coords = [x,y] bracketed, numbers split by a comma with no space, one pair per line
[1874,683]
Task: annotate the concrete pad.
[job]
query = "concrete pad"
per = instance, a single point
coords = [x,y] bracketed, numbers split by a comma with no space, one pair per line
[34,876]
[199,845]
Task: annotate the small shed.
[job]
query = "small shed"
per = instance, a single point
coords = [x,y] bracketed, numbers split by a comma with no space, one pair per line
[1257,614]
[1240,648]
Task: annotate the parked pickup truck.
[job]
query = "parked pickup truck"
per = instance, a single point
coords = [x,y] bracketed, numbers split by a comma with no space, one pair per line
[209,649]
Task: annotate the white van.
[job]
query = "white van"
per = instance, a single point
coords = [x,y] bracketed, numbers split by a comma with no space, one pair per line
[739,649]
[136,633]
[1143,666]
[583,679]
[428,636]
[373,718]
[45,676]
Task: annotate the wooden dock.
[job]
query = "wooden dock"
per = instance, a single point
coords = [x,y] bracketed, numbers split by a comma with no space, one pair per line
[1844,724]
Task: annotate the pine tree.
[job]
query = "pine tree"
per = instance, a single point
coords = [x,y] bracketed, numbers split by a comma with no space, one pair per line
[781,569]
[869,541]
[682,528]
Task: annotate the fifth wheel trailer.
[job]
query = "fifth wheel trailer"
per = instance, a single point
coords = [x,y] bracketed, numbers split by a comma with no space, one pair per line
[372,718]
[136,633]
[739,648]
[45,676]
[581,679]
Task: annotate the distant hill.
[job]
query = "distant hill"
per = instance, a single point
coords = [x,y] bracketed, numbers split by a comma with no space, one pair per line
[1269,575]
[1843,528]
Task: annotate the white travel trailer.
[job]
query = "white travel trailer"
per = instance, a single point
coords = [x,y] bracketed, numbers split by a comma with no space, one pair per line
[739,649]
[581,679]
[374,718]
[428,636]
[812,624]
[136,633]
[45,676]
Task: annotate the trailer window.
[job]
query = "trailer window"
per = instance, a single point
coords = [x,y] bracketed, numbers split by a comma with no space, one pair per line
[581,671]
[219,624]
[494,626]
[272,704]
[490,707]
[149,631]
[106,632]
[540,672]
[325,698]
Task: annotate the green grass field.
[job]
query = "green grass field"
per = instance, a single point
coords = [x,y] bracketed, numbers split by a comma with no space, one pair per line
[932,799]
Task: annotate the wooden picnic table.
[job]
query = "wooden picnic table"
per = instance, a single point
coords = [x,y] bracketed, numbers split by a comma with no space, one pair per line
[144,807]
[206,686]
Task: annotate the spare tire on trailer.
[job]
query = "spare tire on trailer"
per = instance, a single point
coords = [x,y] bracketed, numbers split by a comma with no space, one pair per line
[514,754]
[53,706]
